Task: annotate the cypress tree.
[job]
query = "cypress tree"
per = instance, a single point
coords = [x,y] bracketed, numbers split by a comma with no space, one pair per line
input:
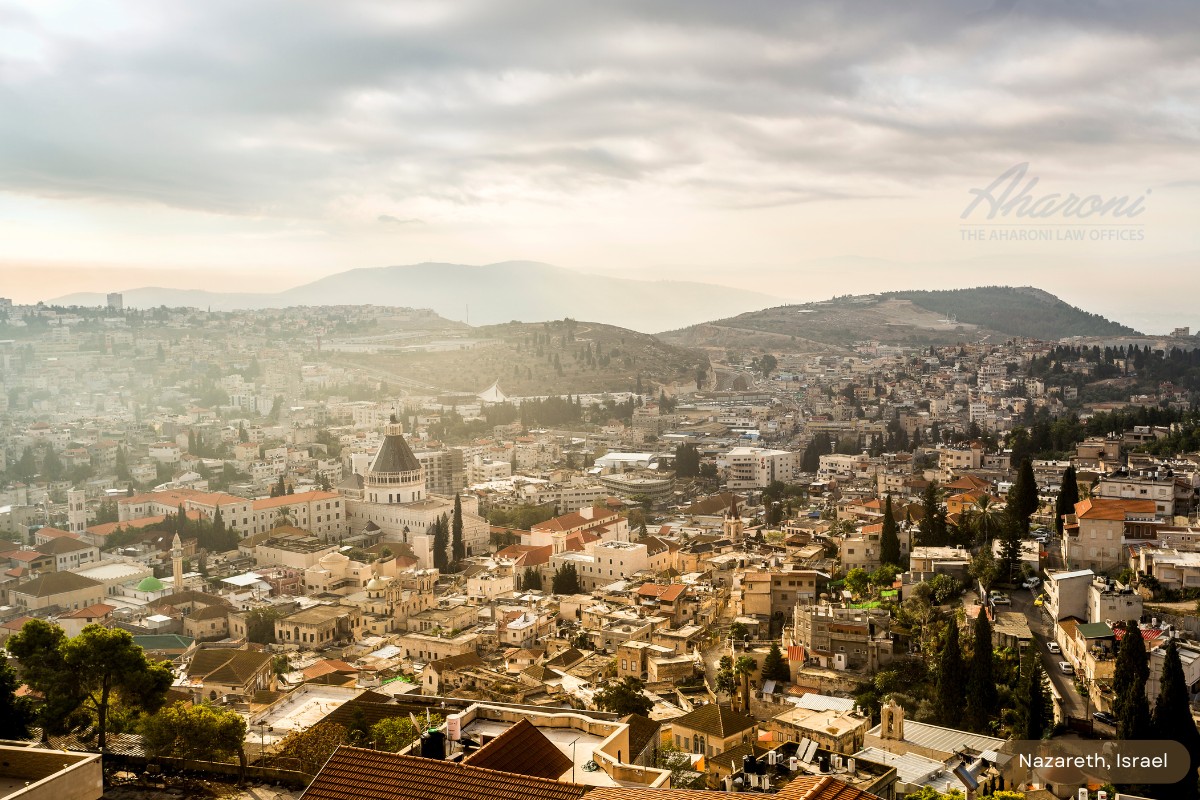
[889,541]
[1135,721]
[1173,721]
[1131,670]
[456,538]
[440,531]
[933,521]
[1035,709]
[982,698]
[1023,497]
[1010,549]
[1068,496]
[950,685]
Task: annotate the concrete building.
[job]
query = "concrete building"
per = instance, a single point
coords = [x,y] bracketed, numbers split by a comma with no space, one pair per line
[841,638]
[35,773]
[758,467]
[1174,569]
[1067,593]
[835,730]
[63,589]
[712,729]
[1094,537]
[319,626]
[1109,602]
[1155,485]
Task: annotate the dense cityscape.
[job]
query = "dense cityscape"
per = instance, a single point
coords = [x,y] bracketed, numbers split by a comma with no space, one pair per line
[331,550]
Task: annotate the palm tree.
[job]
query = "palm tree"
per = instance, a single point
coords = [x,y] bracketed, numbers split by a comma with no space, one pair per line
[985,519]
[282,517]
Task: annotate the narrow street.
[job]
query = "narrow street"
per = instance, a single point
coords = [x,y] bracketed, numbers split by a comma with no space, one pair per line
[1073,704]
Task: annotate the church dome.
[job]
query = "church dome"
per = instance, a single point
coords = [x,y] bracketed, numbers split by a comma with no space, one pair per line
[150,584]
[333,558]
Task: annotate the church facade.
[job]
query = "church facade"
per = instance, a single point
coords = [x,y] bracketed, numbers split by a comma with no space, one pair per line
[391,501]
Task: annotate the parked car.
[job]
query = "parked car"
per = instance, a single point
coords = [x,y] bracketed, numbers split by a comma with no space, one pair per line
[1000,599]
[1053,647]
[1032,582]
[1065,668]
[1105,717]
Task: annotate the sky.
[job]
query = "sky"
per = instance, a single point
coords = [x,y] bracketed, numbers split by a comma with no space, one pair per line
[801,149]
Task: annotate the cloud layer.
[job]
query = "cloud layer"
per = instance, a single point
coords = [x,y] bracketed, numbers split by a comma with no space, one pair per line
[448,121]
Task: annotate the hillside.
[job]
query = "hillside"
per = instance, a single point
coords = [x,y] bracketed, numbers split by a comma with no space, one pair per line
[1015,311]
[559,357]
[487,295]
[905,318]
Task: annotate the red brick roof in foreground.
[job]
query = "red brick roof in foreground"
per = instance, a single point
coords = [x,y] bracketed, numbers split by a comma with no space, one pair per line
[355,774]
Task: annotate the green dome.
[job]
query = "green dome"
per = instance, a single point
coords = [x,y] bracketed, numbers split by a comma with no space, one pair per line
[150,584]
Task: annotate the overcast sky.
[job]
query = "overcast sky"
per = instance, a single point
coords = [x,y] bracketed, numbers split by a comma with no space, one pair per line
[796,148]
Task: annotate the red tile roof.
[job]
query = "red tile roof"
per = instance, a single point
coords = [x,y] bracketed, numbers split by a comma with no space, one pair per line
[354,774]
[669,593]
[522,750]
[1112,509]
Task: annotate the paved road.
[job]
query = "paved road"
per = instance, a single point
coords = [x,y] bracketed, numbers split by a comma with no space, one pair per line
[1072,703]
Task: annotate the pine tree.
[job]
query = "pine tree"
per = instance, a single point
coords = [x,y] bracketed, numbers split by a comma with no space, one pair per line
[566,580]
[982,698]
[774,668]
[16,713]
[889,541]
[1132,669]
[1173,721]
[950,678]
[1068,496]
[459,550]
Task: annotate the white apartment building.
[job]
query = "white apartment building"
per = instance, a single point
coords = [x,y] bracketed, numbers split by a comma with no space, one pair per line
[845,467]
[1155,486]
[758,467]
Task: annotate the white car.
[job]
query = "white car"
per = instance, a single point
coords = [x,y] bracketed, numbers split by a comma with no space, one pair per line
[1053,648]
[1032,583]
[1065,668]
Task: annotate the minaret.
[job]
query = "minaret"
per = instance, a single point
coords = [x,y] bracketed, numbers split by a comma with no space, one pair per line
[177,564]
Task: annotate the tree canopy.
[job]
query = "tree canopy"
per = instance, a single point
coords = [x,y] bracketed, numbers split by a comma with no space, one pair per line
[86,673]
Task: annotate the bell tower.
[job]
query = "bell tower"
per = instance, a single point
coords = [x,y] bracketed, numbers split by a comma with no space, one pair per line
[891,721]
[76,511]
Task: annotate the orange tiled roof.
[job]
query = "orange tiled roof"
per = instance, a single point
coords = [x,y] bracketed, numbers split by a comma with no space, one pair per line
[353,773]
[288,499]
[1112,509]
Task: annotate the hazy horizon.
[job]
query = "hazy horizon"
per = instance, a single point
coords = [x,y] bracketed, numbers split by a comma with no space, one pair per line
[793,149]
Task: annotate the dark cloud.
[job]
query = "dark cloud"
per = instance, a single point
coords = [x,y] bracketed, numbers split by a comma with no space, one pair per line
[291,108]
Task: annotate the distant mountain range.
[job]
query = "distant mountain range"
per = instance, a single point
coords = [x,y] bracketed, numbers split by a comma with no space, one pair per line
[910,318]
[483,295]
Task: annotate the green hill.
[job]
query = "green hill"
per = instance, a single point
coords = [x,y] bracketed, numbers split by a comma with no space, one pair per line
[914,318]
[1015,311]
